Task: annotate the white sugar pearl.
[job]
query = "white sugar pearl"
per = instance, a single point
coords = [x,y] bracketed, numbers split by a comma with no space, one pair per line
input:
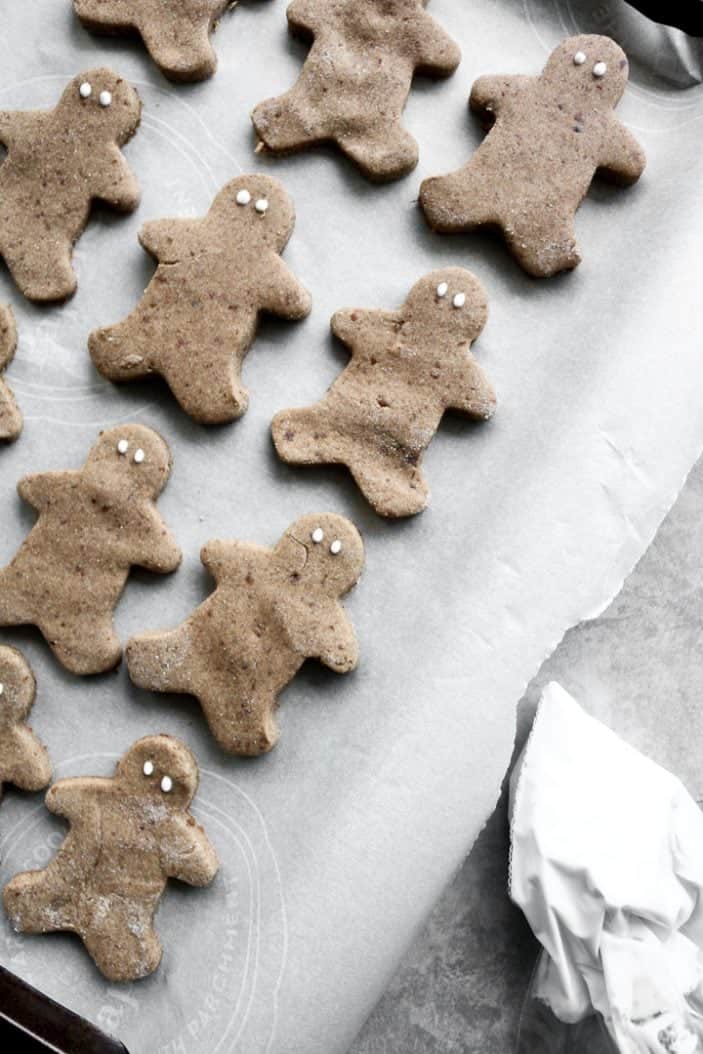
[148,768]
[122,446]
[261,205]
[243,197]
[166,784]
[105,98]
[139,456]
[600,69]
[442,289]
[317,535]
[86,90]
[336,547]
[459,300]
[579,58]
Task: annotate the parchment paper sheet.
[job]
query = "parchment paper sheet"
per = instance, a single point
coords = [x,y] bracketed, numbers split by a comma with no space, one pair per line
[335,846]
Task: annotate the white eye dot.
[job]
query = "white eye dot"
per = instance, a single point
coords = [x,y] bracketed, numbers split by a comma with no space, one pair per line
[166,784]
[459,300]
[579,58]
[317,535]
[243,197]
[442,289]
[86,90]
[139,456]
[148,768]
[105,98]
[261,205]
[122,446]
[600,69]
[336,547]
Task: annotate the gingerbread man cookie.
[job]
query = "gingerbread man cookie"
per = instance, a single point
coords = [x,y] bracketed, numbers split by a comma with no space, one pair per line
[356,80]
[94,524]
[176,33]
[24,761]
[58,162]
[407,368]
[10,416]
[129,835]
[548,137]
[199,314]
[271,610]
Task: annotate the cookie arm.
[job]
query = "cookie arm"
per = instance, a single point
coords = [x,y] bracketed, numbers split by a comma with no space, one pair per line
[282,294]
[16,125]
[186,852]
[622,157]
[157,550]
[74,798]
[40,489]
[224,557]
[473,393]
[115,183]
[335,640]
[305,14]
[489,93]
[354,326]
[438,55]
[164,239]
[8,336]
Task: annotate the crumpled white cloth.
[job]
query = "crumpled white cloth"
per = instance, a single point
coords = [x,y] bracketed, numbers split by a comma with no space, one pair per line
[607,865]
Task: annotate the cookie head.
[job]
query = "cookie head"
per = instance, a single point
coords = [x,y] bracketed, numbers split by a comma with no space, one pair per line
[447,307]
[138,454]
[591,67]
[103,102]
[259,207]
[17,686]
[162,768]
[323,551]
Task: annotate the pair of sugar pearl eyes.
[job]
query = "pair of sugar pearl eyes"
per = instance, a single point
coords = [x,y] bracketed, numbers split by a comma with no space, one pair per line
[599,70]
[244,197]
[166,781]
[86,90]
[123,447]
[318,535]
[458,300]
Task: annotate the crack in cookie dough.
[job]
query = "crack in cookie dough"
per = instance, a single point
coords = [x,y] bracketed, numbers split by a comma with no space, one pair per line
[355,81]
[94,524]
[548,137]
[176,33]
[268,614]
[129,834]
[58,162]
[199,314]
[407,368]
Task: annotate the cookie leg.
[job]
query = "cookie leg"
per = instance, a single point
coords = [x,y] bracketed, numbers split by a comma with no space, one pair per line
[83,645]
[543,244]
[212,395]
[46,275]
[287,123]
[158,661]
[40,902]
[394,488]
[180,49]
[119,936]
[381,153]
[240,727]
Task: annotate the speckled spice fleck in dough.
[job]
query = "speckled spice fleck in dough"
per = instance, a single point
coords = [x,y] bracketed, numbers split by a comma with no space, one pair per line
[24,761]
[407,368]
[549,135]
[10,416]
[94,524]
[58,162]
[128,836]
[198,316]
[176,32]
[271,610]
[356,80]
